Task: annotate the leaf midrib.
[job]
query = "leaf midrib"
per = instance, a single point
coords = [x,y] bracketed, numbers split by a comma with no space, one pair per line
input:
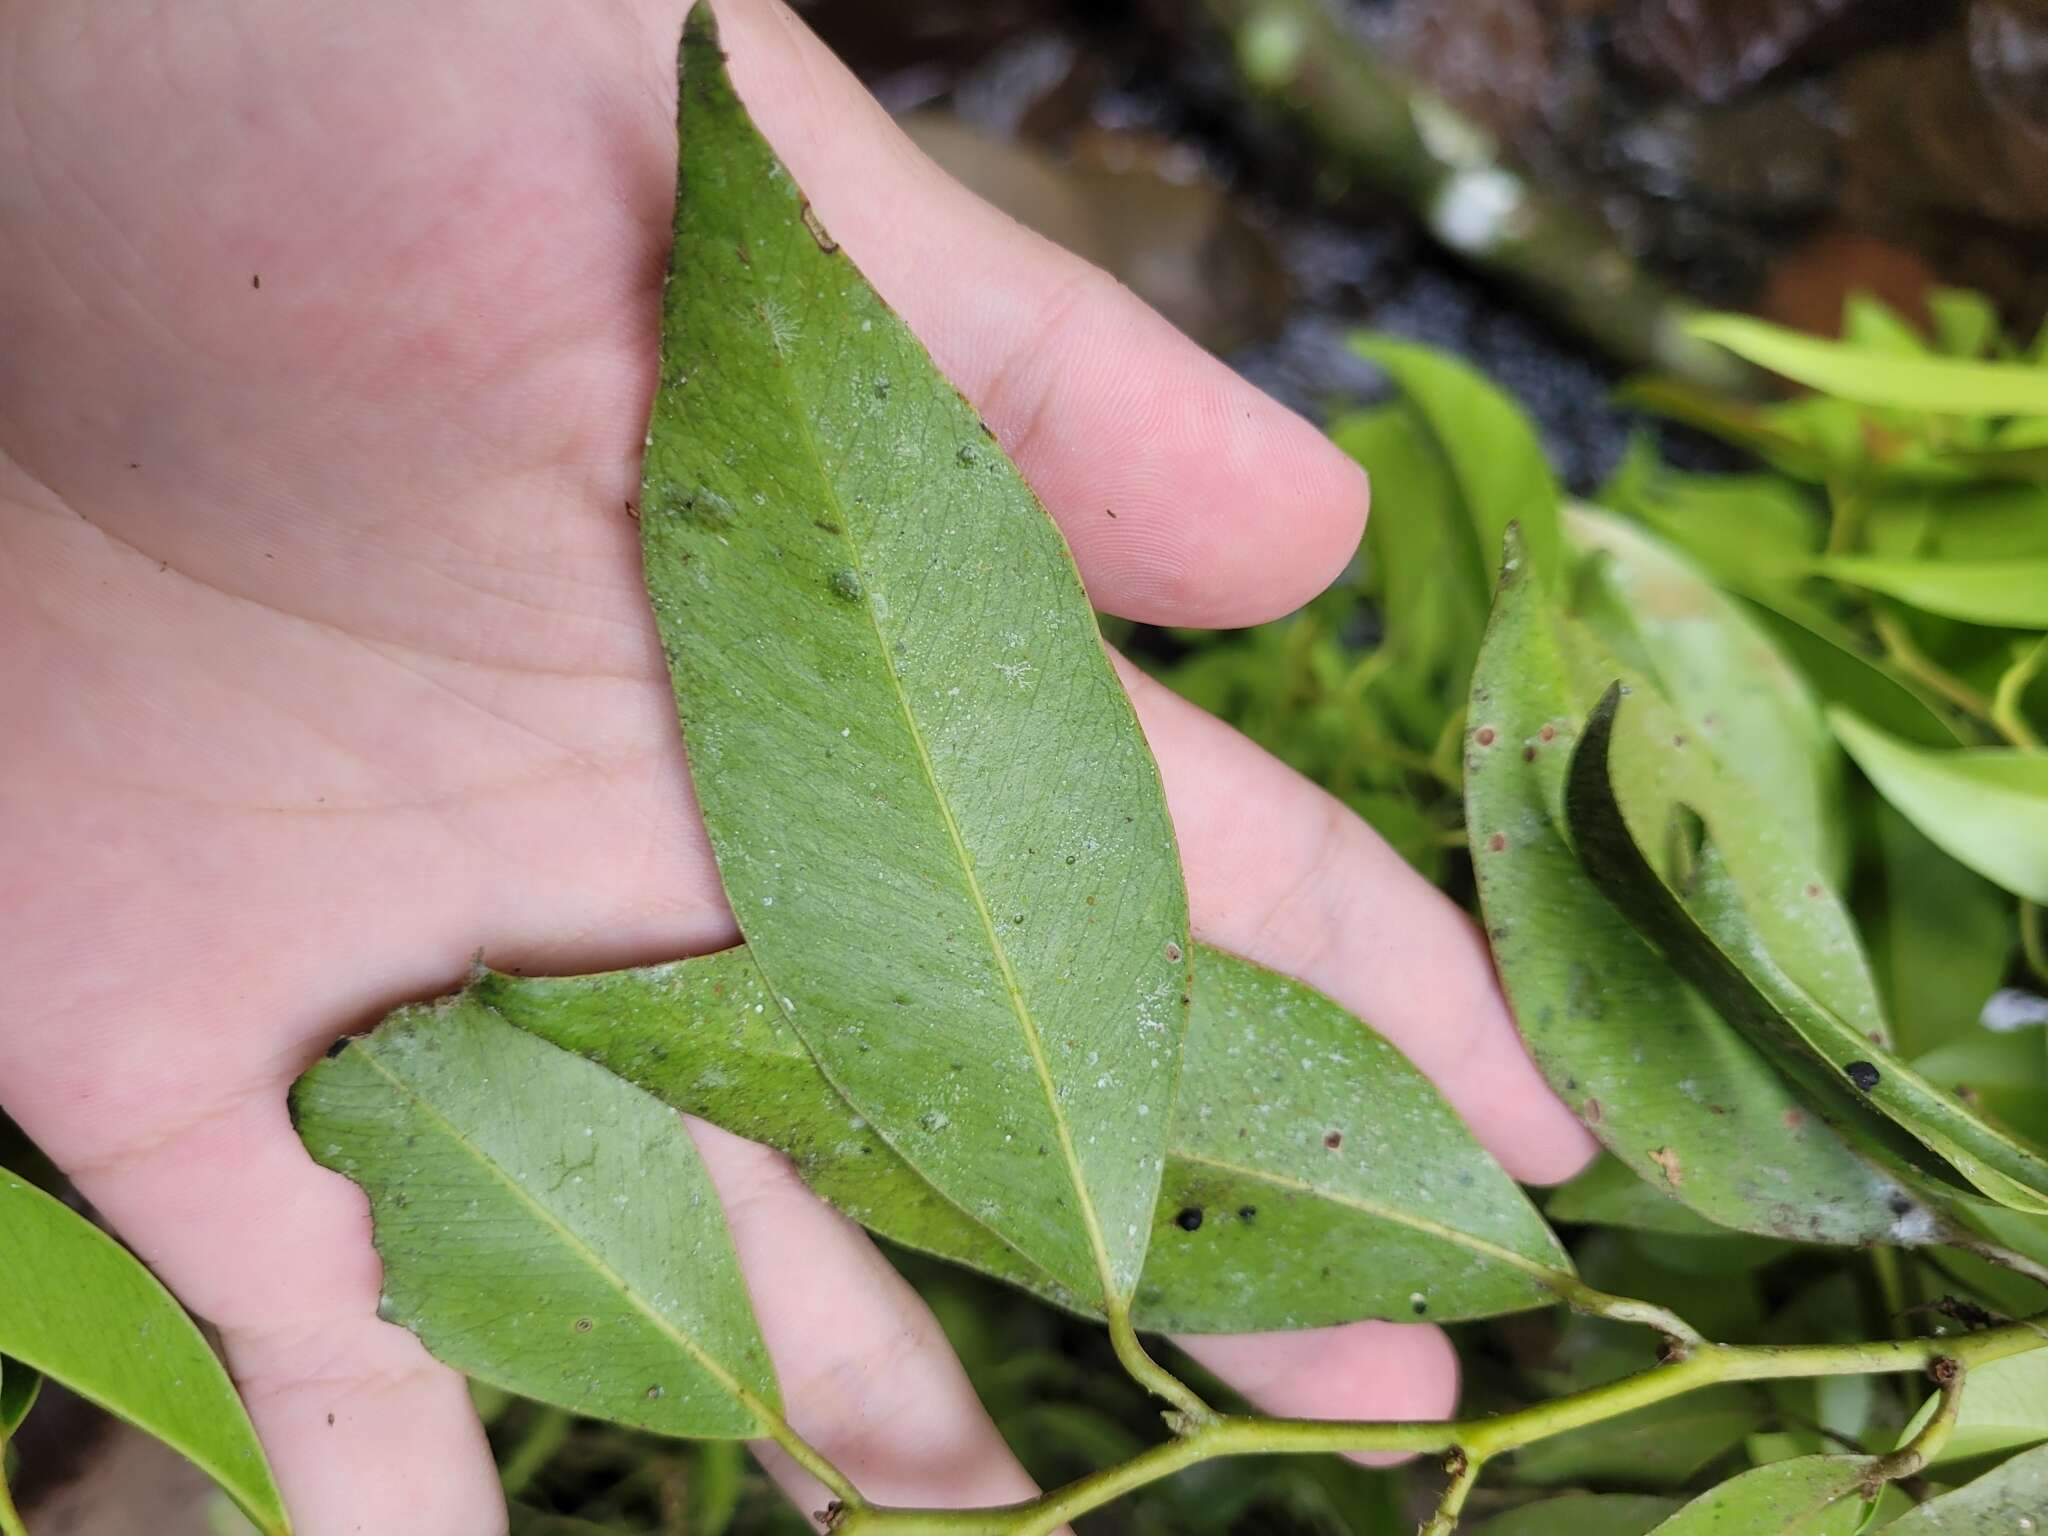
[1090,1219]
[1384,1212]
[763,1413]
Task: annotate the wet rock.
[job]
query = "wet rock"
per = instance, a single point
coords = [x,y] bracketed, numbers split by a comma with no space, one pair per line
[1924,137]
[1716,49]
[1491,59]
[1771,157]
[2008,43]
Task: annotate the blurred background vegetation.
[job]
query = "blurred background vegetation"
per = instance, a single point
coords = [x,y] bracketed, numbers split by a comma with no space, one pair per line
[1544,188]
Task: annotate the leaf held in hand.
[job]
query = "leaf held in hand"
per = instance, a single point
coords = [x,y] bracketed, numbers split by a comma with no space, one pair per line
[1288,1200]
[934,813]
[544,1226]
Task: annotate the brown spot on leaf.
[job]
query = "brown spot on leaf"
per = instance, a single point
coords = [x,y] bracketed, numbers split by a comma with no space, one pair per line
[1484,735]
[1333,1139]
[1548,733]
[818,232]
[1498,843]
[1794,1118]
[1667,1159]
[1591,1111]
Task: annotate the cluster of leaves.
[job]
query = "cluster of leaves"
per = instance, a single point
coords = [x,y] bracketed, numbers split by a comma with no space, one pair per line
[970,1010]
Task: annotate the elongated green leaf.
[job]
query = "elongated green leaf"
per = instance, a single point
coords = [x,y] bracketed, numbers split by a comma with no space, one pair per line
[19,1386]
[1811,1496]
[1986,806]
[77,1307]
[1881,378]
[1732,687]
[1492,451]
[1582,1514]
[2000,592]
[1262,1221]
[1604,1016]
[1843,673]
[544,1226]
[1711,942]
[933,810]
[2007,1502]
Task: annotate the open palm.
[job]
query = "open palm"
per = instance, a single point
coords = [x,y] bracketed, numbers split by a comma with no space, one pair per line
[329,335]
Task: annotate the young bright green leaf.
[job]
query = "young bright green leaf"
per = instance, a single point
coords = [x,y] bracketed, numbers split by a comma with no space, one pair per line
[1811,1496]
[932,807]
[1965,322]
[1704,931]
[19,1386]
[544,1226]
[1605,1018]
[2004,1409]
[79,1308]
[1582,1514]
[1873,377]
[2012,1499]
[1999,592]
[1419,553]
[1493,452]
[1987,806]
[1262,1221]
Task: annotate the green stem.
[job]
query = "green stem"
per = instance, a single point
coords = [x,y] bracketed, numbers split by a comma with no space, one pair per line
[2034,938]
[547,1434]
[805,1455]
[1478,1440]
[1905,654]
[1582,1298]
[2006,713]
[10,1517]
[1188,1408]
[1909,1459]
[1464,1472]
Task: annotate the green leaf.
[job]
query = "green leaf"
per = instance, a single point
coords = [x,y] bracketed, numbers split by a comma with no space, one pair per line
[78,1308]
[1965,323]
[1986,806]
[1880,378]
[1604,1017]
[19,1387]
[1582,1514]
[1420,552]
[1493,452]
[2004,1409]
[1725,678]
[1711,941]
[2014,1498]
[1661,1446]
[544,1226]
[1261,1223]
[933,810]
[1941,936]
[1999,592]
[1612,1194]
[1810,1496]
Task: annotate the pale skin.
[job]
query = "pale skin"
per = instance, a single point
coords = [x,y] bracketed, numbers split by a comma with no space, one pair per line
[329,337]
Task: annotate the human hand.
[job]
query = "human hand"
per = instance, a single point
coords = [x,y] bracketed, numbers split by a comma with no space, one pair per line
[331,340]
